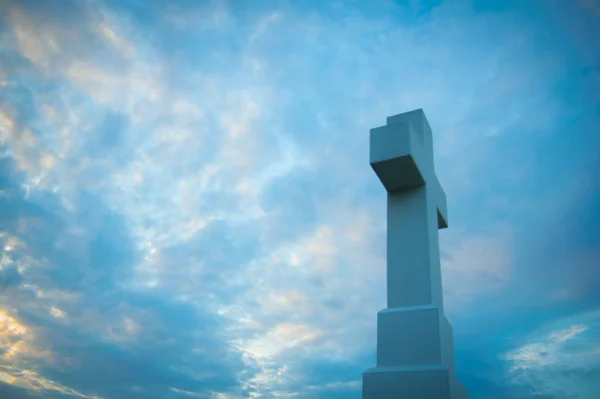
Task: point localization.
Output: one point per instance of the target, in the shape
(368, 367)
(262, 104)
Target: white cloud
(476, 267)
(339, 386)
(20, 345)
(562, 359)
(33, 381)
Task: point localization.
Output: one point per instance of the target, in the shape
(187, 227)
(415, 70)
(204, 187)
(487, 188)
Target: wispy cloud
(476, 268)
(559, 361)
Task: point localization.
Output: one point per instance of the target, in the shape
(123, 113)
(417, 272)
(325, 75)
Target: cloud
(70, 314)
(477, 267)
(562, 362)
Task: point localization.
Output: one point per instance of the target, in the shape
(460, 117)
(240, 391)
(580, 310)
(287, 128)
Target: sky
(187, 208)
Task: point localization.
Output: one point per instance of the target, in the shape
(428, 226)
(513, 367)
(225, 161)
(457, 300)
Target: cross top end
(418, 121)
(401, 154)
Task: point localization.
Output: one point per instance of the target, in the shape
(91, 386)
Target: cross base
(416, 382)
(415, 356)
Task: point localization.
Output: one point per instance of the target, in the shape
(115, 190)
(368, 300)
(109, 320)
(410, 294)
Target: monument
(415, 343)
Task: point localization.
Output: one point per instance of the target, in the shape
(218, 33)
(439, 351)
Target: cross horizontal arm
(401, 154)
(397, 157)
(440, 201)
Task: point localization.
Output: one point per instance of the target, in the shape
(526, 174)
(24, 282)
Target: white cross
(401, 153)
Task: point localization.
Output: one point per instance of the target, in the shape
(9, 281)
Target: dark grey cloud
(293, 199)
(14, 392)
(150, 365)
(224, 251)
(10, 276)
(160, 357)
(109, 136)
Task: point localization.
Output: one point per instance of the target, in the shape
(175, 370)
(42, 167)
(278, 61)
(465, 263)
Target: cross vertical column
(412, 270)
(415, 349)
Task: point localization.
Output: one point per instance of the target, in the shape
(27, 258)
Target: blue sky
(187, 208)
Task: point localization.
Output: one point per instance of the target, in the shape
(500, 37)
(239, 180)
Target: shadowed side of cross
(401, 154)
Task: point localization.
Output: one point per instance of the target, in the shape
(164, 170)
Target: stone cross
(415, 344)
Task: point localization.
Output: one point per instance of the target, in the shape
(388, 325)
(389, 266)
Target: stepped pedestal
(415, 343)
